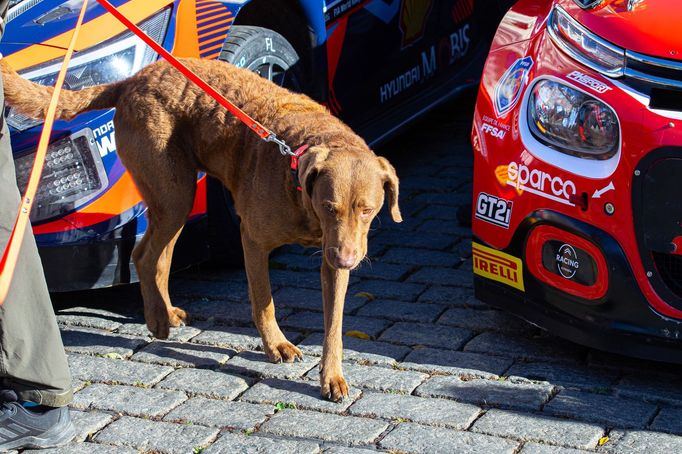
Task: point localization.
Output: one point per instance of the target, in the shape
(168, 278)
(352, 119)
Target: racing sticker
(494, 210)
(588, 81)
(569, 262)
(498, 266)
(508, 88)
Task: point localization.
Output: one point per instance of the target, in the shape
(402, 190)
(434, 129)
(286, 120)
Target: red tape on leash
(255, 126)
(11, 254)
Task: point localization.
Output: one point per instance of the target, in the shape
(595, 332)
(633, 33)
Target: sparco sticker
(589, 82)
(494, 210)
(540, 183)
(508, 88)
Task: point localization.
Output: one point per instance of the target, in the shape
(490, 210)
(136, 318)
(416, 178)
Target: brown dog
(167, 129)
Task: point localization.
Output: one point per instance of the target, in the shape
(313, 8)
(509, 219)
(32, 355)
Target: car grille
(659, 78)
(657, 210)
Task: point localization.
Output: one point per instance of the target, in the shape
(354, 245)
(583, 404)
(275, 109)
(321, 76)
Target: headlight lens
(113, 60)
(572, 122)
(584, 46)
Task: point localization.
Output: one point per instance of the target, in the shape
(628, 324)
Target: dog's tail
(32, 99)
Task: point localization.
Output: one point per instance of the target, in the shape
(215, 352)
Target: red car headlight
(571, 121)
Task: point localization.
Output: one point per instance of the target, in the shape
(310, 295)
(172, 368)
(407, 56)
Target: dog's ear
(391, 187)
(309, 166)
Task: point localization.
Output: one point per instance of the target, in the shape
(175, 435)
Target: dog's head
(346, 190)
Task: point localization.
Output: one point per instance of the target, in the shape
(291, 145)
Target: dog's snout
(343, 257)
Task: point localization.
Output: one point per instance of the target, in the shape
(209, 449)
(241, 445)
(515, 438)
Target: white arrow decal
(598, 193)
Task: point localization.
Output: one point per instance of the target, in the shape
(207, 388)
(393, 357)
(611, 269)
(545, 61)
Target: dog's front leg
(276, 346)
(334, 285)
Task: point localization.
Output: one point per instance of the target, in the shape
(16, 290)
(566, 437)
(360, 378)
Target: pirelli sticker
(498, 266)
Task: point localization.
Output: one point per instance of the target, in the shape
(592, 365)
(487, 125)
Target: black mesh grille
(669, 267)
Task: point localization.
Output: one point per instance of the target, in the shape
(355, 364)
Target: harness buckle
(283, 147)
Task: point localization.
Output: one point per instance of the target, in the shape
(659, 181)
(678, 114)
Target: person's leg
(35, 383)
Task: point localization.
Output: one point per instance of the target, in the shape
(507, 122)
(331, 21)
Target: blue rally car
(377, 64)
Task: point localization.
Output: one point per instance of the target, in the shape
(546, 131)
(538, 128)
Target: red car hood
(653, 26)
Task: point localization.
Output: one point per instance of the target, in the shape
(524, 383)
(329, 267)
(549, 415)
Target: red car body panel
(516, 171)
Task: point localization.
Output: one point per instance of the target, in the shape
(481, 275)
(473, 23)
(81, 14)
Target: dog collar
(294, 164)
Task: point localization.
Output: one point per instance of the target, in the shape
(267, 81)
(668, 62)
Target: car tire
(270, 55)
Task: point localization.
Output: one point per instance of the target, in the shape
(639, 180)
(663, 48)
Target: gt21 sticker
(494, 210)
(508, 88)
(589, 82)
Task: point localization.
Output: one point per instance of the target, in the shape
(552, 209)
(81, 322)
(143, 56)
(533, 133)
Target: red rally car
(577, 207)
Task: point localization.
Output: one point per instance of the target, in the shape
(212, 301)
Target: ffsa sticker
(508, 88)
(494, 210)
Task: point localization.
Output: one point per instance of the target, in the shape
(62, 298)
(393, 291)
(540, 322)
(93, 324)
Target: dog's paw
(178, 317)
(333, 387)
(284, 352)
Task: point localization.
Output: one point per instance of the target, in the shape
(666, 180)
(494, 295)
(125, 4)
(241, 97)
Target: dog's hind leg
(276, 346)
(168, 188)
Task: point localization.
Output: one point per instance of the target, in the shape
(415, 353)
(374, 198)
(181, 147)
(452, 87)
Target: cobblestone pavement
(440, 372)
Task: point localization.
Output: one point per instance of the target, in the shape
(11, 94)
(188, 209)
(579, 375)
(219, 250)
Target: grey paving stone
(439, 198)
(538, 448)
(178, 334)
(433, 412)
(302, 298)
(537, 348)
(216, 290)
(349, 430)
(401, 311)
(414, 438)
(297, 262)
(379, 378)
(219, 413)
(668, 420)
(84, 448)
(344, 450)
(531, 427)
(434, 360)
(427, 335)
(107, 370)
(442, 276)
(314, 321)
(91, 318)
(220, 311)
(526, 396)
(388, 290)
(663, 389)
(435, 226)
(435, 241)
(565, 375)
(301, 394)
(180, 354)
(156, 436)
(208, 383)
(236, 337)
(376, 269)
(420, 257)
(642, 442)
(256, 364)
(207, 272)
(129, 400)
(485, 320)
(608, 410)
(87, 423)
(304, 279)
(445, 213)
(451, 296)
(358, 350)
(230, 443)
(96, 342)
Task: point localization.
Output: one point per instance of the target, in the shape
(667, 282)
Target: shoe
(24, 428)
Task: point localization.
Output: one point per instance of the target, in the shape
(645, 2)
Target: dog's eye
(367, 211)
(329, 207)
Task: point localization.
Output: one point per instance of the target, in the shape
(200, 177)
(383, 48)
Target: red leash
(255, 126)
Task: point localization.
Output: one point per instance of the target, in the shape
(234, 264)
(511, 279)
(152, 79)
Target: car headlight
(583, 45)
(572, 122)
(110, 61)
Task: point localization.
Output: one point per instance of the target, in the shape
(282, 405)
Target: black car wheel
(268, 54)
